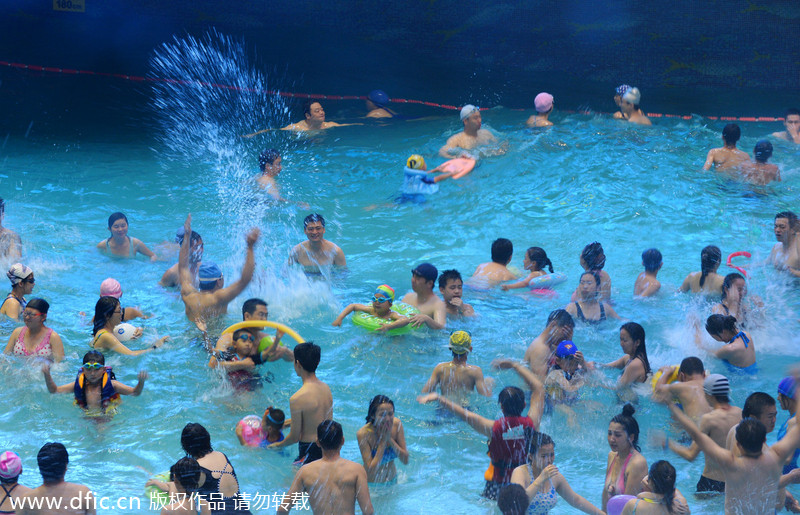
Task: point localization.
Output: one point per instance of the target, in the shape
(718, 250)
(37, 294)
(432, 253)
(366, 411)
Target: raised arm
(786, 445)
(536, 405)
(51, 385)
(480, 424)
(229, 293)
(184, 274)
(124, 389)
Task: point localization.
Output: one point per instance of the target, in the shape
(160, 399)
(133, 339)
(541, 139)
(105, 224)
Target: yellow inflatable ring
(672, 377)
(265, 323)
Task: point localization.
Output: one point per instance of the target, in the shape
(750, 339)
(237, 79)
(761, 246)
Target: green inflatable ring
(372, 323)
(156, 494)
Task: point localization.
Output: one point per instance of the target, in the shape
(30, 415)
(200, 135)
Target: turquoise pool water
(589, 178)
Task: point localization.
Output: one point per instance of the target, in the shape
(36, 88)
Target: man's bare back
(333, 486)
(67, 493)
(760, 173)
(314, 403)
(725, 157)
(456, 378)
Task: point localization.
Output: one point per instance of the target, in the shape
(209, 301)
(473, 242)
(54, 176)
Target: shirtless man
(256, 309)
(333, 484)
(309, 405)
(71, 498)
(715, 424)
(727, 156)
(432, 310)
(171, 277)
(456, 377)
(10, 242)
(688, 390)
(496, 271)
(451, 286)
(472, 136)
(540, 355)
(792, 124)
(376, 103)
(213, 297)
(761, 172)
(315, 119)
(629, 107)
(785, 254)
(751, 478)
(758, 406)
(317, 252)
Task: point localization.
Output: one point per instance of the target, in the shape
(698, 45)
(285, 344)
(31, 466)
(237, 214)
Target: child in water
(272, 424)
(95, 387)
(241, 363)
(534, 261)
(381, 307)
(647, 284)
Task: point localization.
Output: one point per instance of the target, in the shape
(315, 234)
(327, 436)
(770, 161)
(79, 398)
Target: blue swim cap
(378, 97)
(209, 272)
(566, 349)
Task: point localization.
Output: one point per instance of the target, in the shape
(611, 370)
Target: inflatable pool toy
(265, 323)
(544, 293)
(673, 376)
(373, 323)
(457, 168)
(741, 253)
(617, 503)
(265, 343)
(547, 280)
(124, 332)
(155, 494)
(251, 430)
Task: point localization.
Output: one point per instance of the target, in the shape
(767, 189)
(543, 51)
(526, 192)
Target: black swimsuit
(211, 487)
(7, 496)
(582, 318)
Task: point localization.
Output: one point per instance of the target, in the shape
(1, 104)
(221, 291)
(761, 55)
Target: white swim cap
(467, 111)
(633, 96)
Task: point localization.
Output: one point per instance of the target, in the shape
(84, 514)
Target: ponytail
(710, 259)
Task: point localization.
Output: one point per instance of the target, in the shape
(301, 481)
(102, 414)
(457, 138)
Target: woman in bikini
(739, 351)
(22, 281)
(34, 339)
(119, 243)
(659, 495)
(634, 364)
(107, 316)
(381, 440)
(542, 481)
(588, 308)
(626, 466)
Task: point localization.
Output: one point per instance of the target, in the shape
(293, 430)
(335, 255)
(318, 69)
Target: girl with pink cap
(111, 288)
(10, 469)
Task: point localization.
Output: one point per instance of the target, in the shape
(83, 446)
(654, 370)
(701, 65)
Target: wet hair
(186, 471)
(662, 480)
(307, 105)
(373, 407)
(762, 151)
(250, 305)
(194, 238)
(195, 440)
(513, 500)
(53, 459)
(651, 259)
(727, 283)
(716, 323)
(593, 274)
(308, 355)
(512, 401)
(789, 112)
(636, 333)
(561, 317)
(755, 404)
(629, 424)
(691, 366)
(116, 216)
(710, 259)
(536, 440)
(731, 133)
(277, 415)
(502, 249)
(39, 305)
(593, 256)
(790, 216)
(267, 157)
(103, 310)
(449, 275)
(330, 435)
(94, 356)
(312, 219)
(540, 256)
(751, 435)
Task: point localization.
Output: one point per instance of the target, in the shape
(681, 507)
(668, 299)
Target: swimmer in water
(34, 339)
(451, 286)
(618, 92)
(119, 243)
(471, 137)
(377, 100)
(241, 363)
(95, 387)
(727, 156)
(629, 107)
(111, 288)
(381, 307)
(314, 119)
(564, 381)
(688, 389)
(316, 252)
(381, 440)
(455, 377)
(10, 242)
(107, 316)
(739, 350)
(626, 467)
(255, 310)
(272, 424)
(785, 254)
(707, 280)
(593, 259)
(535, 261)
(589, 308)
(647, 284)
(540, 355)
(544, 108)
(760, 172)
(22, 282)
(496, 271)
(171, 277)
(634, 364)
(792, 123)
(432, 310)
(735, 301)
(271, 164)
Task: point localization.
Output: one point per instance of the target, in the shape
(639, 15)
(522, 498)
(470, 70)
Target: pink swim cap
(10, 465)
(110, 288)
(543, 102)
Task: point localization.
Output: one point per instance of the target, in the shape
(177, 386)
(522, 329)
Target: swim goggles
(246, 337)
(93, 366)
(380, 300)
